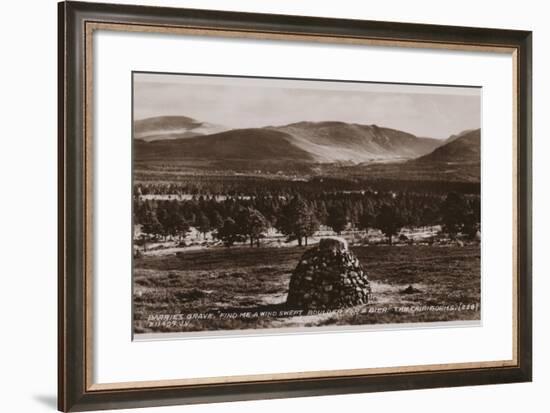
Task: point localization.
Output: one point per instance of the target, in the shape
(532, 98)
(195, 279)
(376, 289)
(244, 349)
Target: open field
(231, 288)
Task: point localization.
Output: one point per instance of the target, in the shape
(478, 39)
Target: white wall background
(28, 225)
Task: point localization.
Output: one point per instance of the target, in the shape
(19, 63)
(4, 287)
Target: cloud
(430, 111)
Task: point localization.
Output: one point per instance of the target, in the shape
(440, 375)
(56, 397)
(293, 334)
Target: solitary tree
(337, 219)
(203, 224)
(453, 213)
(428, 215)
(366, 220)
(321, 211)
(151, 227)
(171, 219)
(180, 225)
(298, 221)
(472, 218)
(389, 221)
(163, 216)
(216, 220)
(230, 233)
(254, 224)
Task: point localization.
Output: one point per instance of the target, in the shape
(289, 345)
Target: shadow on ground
(47, 400)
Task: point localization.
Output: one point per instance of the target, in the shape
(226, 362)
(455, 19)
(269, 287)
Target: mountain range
(365, 148)
(320, 142)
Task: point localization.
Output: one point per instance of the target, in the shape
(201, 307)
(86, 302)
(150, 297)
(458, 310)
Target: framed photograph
(260, 206)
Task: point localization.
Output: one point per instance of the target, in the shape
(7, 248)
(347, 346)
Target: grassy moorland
(246, 282)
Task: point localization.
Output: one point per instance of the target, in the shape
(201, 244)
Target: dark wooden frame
(74, 393)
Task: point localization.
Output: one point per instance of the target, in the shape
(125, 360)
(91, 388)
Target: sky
(237, 102)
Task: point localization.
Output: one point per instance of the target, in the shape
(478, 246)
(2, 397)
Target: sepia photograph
(254, 206)
(274, 205)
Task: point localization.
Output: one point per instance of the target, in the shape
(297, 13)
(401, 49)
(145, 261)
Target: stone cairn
(328, 276)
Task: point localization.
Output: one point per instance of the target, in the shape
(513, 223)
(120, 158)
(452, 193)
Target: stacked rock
(328, 276)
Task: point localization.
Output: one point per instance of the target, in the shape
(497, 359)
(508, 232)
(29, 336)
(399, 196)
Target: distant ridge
(172, 127)
(458, 160)
(464, 148)
(309, 142)
(340, 141)
(458, 135)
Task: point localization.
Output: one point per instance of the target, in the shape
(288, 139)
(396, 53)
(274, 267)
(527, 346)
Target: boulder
(328, 276)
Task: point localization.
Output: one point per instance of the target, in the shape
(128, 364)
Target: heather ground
(245, 288)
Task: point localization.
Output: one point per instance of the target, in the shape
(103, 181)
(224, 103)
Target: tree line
(279, 186)
(235, 219)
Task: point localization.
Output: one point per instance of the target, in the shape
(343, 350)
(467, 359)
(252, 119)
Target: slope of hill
(239, 144)
(340, 141)
(458, 135)
(456, 161)
(465, 148)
